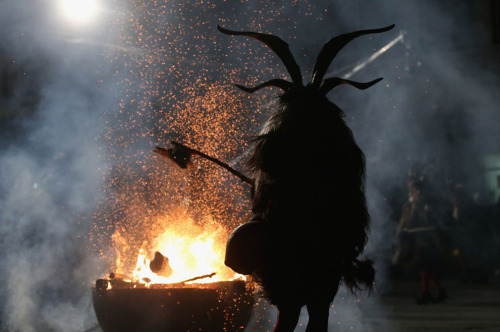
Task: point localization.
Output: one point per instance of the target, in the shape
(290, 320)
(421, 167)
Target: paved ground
(471, 307)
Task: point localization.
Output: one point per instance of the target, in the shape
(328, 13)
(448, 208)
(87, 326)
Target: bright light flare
(79, 11)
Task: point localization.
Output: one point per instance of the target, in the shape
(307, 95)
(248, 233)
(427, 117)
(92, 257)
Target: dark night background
(79, 102)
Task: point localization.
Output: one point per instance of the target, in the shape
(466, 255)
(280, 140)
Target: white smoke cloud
(51, 172)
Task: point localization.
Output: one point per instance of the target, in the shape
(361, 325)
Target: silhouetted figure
(418, 232)
(308, 197)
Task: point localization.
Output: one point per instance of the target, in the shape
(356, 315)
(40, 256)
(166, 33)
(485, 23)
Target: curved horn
(282, 84)
(278, 46)
(331, 83)
(332, 48)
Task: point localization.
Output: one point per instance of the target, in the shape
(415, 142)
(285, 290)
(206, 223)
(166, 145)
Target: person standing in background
(418, 233)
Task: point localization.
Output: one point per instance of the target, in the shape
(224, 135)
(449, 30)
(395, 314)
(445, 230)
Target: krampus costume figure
(311, 218)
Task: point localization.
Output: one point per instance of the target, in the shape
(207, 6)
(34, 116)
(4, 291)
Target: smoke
(65, 126)
(54, 94)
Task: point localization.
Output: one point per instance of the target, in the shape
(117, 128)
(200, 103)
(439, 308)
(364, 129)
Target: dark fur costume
(308, 197)
(309, 188)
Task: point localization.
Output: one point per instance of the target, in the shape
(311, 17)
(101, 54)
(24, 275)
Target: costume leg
(425, 296)
(442, 295)
(425, 278)
(288, 317)
(318, 316)
(434, 278)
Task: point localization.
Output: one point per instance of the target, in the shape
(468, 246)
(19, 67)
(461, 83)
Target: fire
(192, 250)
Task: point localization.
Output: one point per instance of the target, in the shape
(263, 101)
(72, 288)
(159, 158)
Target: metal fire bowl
(218, 306)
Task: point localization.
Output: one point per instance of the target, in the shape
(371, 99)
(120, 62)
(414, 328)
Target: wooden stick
(200, 277)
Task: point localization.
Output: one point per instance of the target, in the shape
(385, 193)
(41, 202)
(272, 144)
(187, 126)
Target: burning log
(113, 280)
(198, 278)
(101, 284)
(119, 276)
(160, 265)
(118, 280)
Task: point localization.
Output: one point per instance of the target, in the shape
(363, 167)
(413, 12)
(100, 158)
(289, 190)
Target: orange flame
(192, 250)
